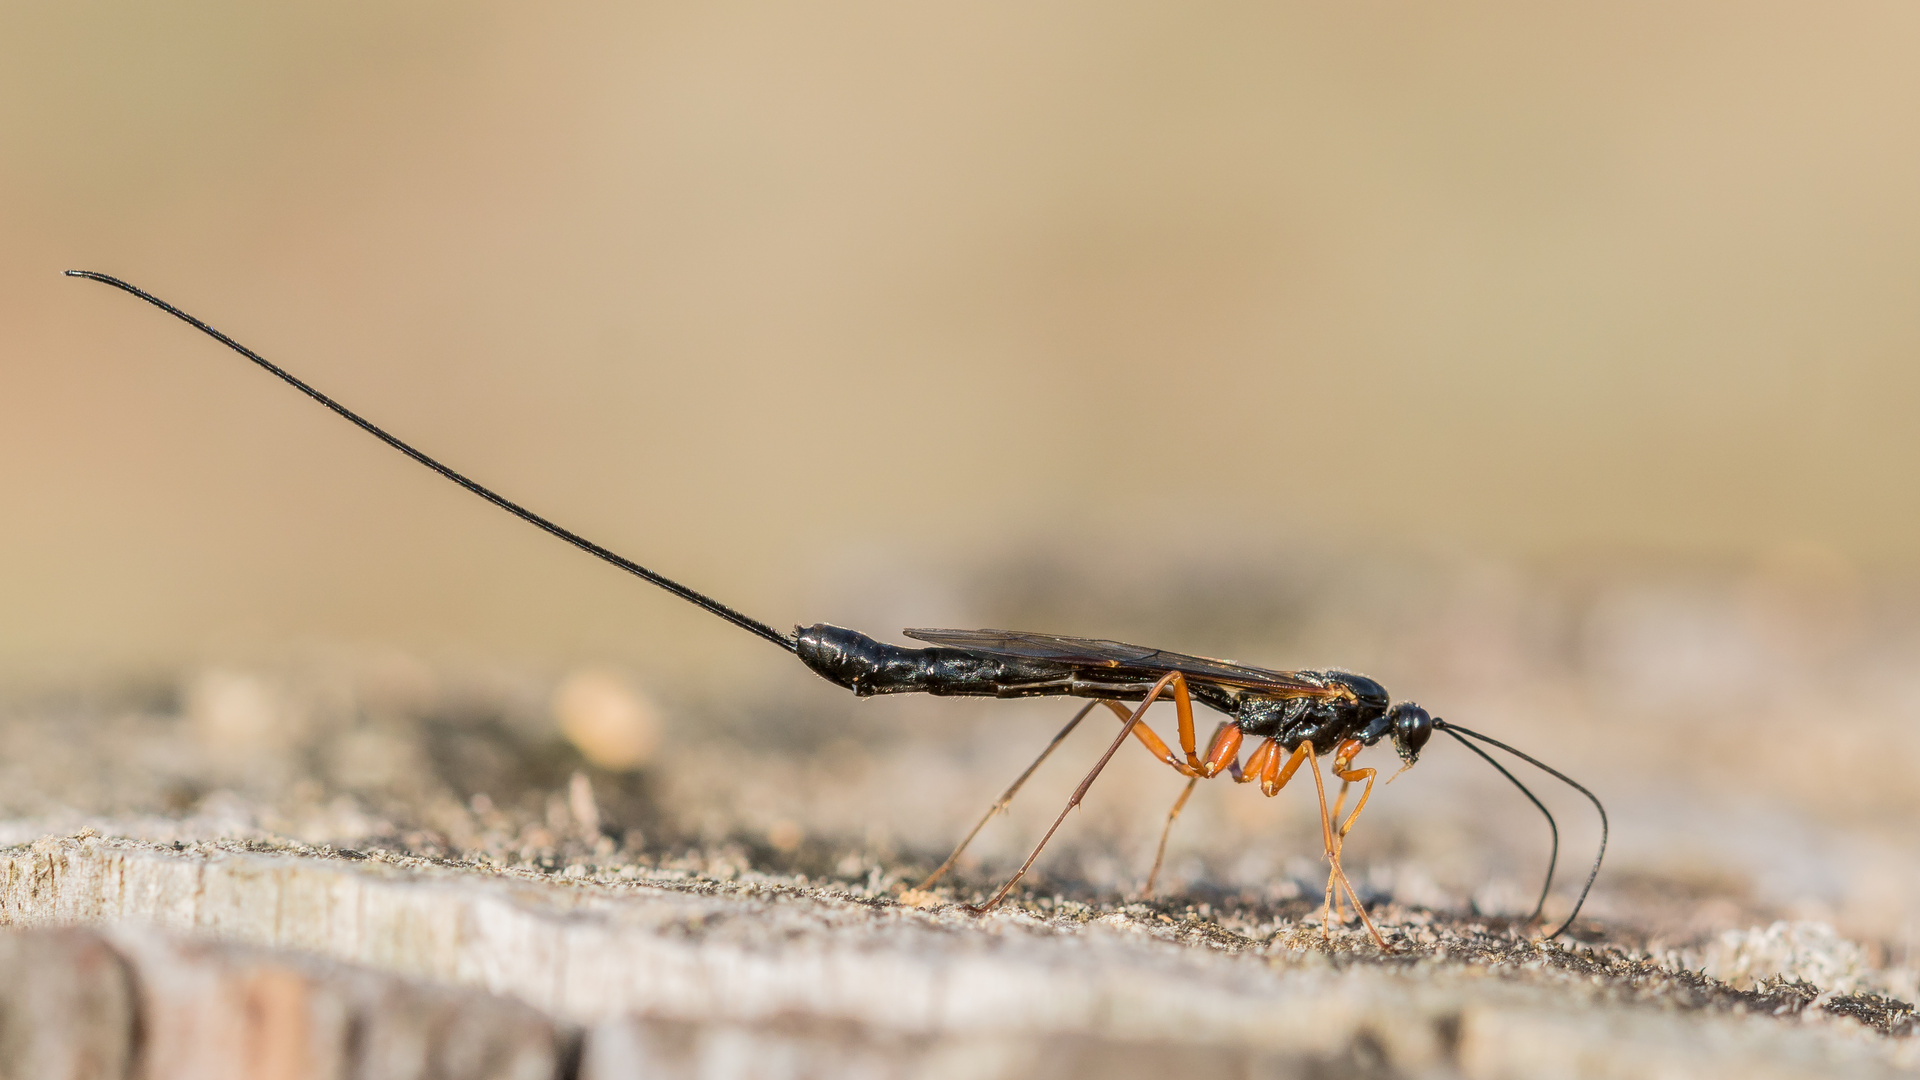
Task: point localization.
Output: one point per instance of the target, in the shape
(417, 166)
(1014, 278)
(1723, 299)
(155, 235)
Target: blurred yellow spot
(607, 719)
(234, 715)
(785, 835)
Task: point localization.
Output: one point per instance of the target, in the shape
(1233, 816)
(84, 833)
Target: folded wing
(1125, 658)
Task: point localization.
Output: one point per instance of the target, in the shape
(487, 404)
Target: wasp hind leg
(1079, 793)
(1223, 753)
(1006, 797)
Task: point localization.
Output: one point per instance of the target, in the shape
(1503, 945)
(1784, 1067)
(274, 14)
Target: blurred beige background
(768, 297)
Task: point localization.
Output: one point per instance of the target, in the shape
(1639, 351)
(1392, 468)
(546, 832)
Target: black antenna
(700, 600)
(1563, 778)
(1553, 859)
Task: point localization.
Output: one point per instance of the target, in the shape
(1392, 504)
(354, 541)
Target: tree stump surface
(236, 958)
(376, 868)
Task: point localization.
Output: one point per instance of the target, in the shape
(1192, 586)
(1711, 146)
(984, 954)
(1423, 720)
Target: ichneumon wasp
(1295, 716)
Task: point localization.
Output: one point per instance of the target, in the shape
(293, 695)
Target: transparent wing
(1101, 653)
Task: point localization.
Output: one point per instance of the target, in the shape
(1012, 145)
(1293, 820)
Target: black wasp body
(1325, 708)
(1297, 716)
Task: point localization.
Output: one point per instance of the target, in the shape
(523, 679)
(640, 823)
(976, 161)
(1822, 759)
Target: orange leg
(1217, 754)
(1338, 899)
(1274, 777)
(1133, 721)
(1342, 760)
(1149, 739)
(1160, 853)
(1224, 753)
(1006, 797)
(1333, 854)
(1183, 707)
(1342, 755)
(1259, 761)
(1224, 747)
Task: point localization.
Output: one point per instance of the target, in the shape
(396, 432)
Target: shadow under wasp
(1296, 717)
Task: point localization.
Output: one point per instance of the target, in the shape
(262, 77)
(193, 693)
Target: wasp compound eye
(1412, 727)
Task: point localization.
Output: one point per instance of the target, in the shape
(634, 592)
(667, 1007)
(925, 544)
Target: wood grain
(223, 959)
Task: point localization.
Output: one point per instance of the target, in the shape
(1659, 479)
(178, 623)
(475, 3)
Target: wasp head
(1411, 727)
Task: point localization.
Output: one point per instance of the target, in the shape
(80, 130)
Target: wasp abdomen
(851, 659)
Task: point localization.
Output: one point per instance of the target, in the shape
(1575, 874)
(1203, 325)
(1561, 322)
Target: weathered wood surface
(216, 960)
(290, 870)
(132, 1001)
